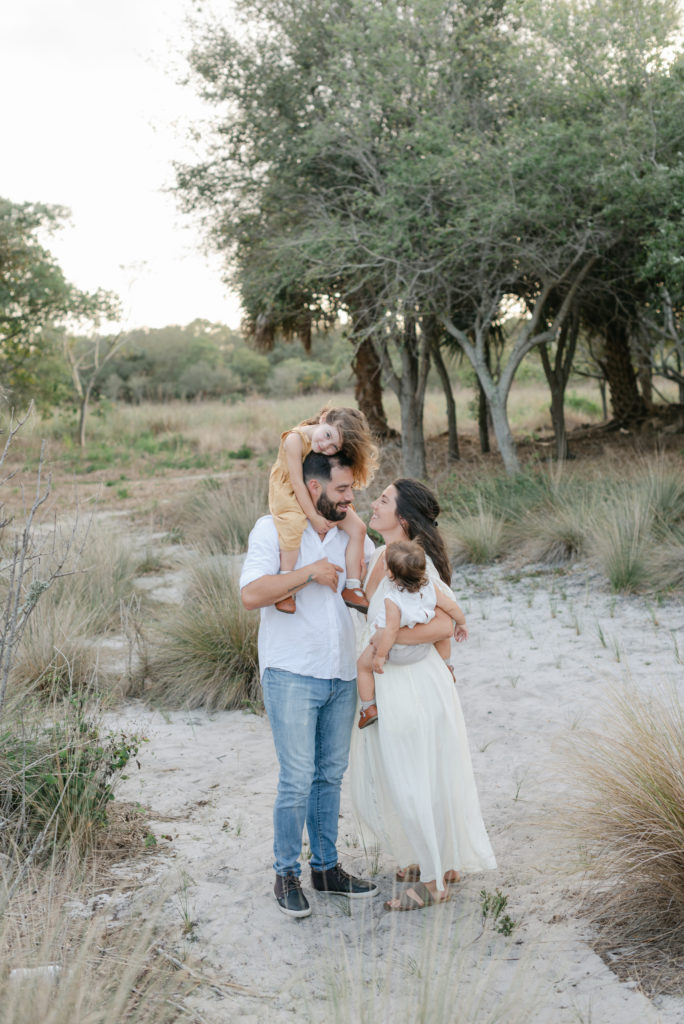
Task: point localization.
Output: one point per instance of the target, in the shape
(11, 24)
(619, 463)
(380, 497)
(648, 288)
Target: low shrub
(56, 780)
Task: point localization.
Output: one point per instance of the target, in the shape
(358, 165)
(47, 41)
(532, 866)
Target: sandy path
(533, 671)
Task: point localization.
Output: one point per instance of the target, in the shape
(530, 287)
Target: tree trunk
(483, 420)
(557, 378)
(504, 437)
(84, 413)
(453, 453)
(415, 358)
(368, 390)
(628, 405)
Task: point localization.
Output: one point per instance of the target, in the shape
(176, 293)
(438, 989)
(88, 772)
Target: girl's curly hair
(357, 441)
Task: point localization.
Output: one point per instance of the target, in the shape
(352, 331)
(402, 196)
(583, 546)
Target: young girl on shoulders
(410, 598)
(290, 503)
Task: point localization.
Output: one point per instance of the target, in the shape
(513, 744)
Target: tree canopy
(423, 164)
(36, 299)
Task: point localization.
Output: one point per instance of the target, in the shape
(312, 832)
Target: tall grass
(449, 971)
(60, 969)
(204, 652)
(217, 517)
(629, 815)
(629, 523)
(478, 538)
(622, 541)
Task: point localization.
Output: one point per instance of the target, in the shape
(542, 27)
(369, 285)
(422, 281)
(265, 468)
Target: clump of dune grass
(664, 486)
(218, 517)
(556, 532)
(204, 651)
(478, 539)
(55, 652)
(622, 541)
(629, 816)
(102, 577)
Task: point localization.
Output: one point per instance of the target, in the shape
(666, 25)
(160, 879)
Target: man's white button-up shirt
(319, 639)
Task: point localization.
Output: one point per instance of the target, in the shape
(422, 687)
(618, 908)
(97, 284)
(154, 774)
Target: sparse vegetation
(629, 817)
(204, 652)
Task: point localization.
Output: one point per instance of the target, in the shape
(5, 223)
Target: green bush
(58, 778)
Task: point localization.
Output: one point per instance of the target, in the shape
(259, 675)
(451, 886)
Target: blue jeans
(311, 721)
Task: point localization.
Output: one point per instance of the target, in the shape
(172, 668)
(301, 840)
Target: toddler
(410, 598)
(290, 503)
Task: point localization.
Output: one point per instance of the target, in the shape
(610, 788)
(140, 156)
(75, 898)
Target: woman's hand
(377, 663)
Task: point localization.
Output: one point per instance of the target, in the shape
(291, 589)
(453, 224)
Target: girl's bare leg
(355, 528)
(288, 560)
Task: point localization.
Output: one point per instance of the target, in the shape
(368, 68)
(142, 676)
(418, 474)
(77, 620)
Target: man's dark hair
(319, 467)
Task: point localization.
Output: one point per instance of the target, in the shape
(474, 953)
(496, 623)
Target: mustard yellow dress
(290, 521)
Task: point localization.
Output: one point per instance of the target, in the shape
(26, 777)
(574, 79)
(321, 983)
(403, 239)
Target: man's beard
(329, 510)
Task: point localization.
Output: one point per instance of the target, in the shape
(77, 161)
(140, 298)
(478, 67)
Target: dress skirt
(412, 783)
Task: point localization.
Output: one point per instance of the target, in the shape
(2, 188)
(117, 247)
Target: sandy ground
(544, 655)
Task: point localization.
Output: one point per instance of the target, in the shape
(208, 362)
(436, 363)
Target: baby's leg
(444, 650)
(365, 680)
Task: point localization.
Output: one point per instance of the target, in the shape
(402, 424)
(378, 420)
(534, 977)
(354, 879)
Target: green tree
(35, 297)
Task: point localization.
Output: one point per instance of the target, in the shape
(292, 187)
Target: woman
(411, 777)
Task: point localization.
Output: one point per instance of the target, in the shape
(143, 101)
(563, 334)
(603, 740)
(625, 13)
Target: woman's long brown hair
(417, 509)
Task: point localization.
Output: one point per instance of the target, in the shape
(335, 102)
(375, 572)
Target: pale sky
(92, 119)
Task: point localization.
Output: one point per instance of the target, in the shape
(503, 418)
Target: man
(308, 675)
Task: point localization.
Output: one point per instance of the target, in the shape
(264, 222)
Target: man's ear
(314, 488)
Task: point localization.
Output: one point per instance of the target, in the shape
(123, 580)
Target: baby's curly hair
(406, 562)
(357, 441)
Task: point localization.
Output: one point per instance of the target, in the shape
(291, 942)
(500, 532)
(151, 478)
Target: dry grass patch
(629, 816)
(478, 539)
(204, 652)
(217, 517)
(58, 968)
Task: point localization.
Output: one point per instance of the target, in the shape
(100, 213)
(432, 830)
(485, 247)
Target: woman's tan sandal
(409, 874)
(418, 897)
(412, 874)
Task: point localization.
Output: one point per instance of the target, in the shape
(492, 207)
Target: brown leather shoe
(354, 597)
(368, 716)
(287, 605)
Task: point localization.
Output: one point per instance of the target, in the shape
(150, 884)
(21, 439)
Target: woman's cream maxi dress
(412, 780)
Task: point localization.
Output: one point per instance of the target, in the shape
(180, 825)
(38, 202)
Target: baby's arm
(292, 446)
(387, 636)
(448, 605)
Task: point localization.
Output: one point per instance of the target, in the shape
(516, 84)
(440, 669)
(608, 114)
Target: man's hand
(325, 572)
